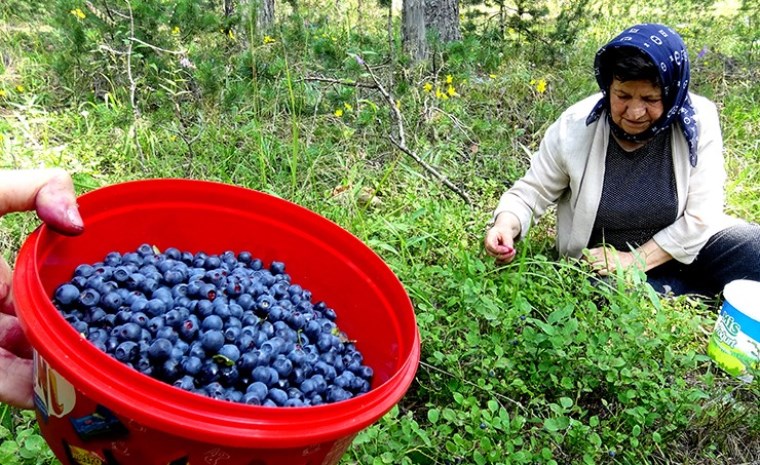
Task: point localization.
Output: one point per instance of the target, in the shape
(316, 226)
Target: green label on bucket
(734, 343)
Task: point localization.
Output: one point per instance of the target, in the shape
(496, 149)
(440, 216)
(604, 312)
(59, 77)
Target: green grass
(526, 363)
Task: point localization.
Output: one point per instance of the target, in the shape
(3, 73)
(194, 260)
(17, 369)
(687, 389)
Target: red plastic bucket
(94, 410)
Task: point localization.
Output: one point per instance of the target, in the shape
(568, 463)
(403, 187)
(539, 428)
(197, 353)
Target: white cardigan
(568, 170)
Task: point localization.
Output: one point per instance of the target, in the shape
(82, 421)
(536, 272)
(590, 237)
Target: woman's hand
(49, 192)
(500, 238)
(607, 260)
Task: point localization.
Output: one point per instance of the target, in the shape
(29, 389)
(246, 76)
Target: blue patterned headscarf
(667, 50)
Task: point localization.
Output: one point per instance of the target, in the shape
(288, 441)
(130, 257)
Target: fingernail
(74, 218)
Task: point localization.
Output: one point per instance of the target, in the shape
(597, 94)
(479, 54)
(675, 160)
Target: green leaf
(433, 415)
(636, 431)
(561, 314)
(566, 402)
(556, 424)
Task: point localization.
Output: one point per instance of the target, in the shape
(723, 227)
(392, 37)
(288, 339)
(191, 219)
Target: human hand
(499, 241)
(49, 192)
(606, 260)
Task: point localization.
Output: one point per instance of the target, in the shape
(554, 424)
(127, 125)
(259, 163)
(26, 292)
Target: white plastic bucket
(735, 342)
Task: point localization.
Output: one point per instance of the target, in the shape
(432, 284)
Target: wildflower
(172, 138)
(427, 87)
(231, 34)
(703, 52)
(20, 89)
(2, 93)
(2, 137)
(541, 86)
(175, 31)
(441, 95)
(78, 13)
(449, 79)
(451, 91)
(348, 106)
(268, 40)
(339, 112)
(492, 76)
(398, 104)
(186, 63)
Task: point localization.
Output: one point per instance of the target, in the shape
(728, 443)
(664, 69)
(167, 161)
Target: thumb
(56, 205)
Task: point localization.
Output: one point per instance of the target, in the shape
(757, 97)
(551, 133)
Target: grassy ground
(527, 363)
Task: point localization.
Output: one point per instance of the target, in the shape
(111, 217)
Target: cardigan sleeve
(541, 186)
(704, 191)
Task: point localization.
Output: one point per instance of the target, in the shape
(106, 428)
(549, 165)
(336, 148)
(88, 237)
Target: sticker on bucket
(79, 456)
(735, 341)
(53, 395)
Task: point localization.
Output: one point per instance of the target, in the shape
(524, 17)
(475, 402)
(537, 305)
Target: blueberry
(278, 396)
(192, 365)
(160, 349)
(67, 294)
(186, 383)
(277, 268)
(266, 375)
(84, 271)
(89, 298)
(212, 340)
(189, 328)
(283, 366)
(129, 331)
(126, 351)
(212, 322)
(209, 372)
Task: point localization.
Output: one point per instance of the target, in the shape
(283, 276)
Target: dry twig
(400, 140)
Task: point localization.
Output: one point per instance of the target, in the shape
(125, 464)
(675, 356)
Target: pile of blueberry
(224, 326)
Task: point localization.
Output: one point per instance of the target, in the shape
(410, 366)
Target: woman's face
(635, 105)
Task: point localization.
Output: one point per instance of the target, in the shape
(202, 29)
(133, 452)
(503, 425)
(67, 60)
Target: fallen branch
(400, 141)
(342, 82)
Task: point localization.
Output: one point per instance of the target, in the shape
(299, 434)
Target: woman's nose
(636, 111)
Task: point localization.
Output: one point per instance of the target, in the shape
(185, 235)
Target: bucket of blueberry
(196, 322)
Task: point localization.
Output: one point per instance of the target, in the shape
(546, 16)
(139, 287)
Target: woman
(637, 175)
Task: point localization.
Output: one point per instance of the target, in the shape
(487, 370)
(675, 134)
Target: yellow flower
(451, 91)
(348, 106)
(231, 34)
(2, 93)
(492, 76)
(532, 82)
(175, 30)
(541, 86)
(20, 89)
(339, 112)
(2, 137)
(427, 87)
(449, 79)
(78, 13)
(269, 40)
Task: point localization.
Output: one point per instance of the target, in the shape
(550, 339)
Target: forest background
(403, 123)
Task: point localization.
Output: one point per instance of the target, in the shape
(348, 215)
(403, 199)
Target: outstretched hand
(49, 192)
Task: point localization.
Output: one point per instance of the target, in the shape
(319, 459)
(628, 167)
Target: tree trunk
(260, 11)
(442, 19)
(265, 16)
(413, 30)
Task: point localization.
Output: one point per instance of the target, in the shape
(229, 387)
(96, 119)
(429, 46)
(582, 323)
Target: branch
(342, 82)
(400, 142)
(159, 49)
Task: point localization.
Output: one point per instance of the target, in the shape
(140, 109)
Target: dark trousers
(731, 254)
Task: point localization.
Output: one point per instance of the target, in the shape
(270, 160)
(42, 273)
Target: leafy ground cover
(528, 363)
